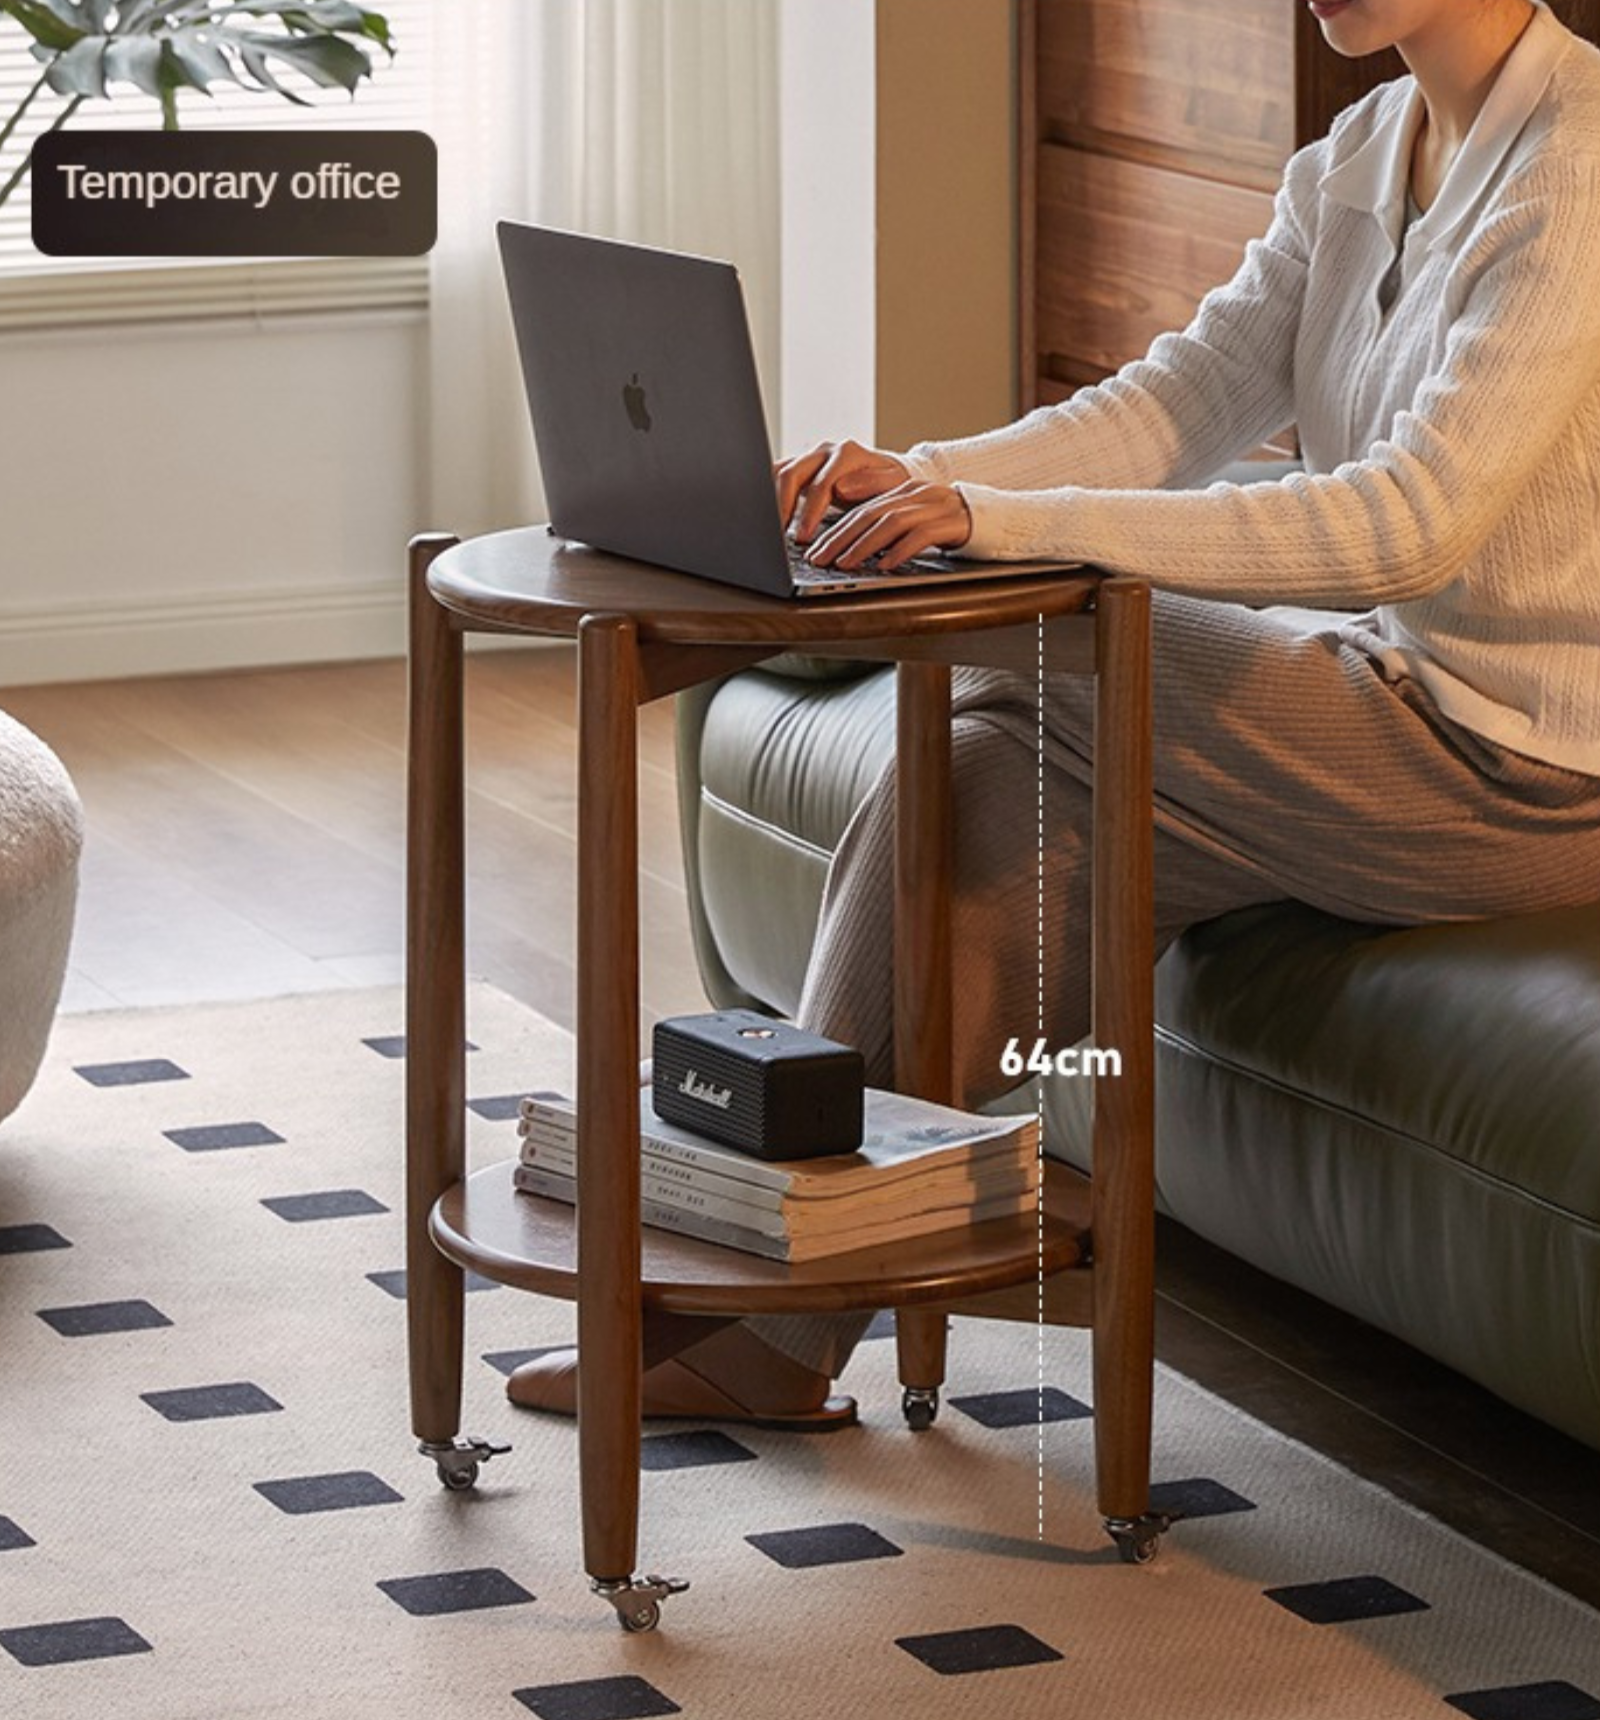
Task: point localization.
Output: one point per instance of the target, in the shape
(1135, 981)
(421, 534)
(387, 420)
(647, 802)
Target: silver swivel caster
(1138, 1539)
(919, 1405)
(457, 1461)
(638, 1599)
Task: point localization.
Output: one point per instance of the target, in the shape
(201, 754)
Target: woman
(1425, 308)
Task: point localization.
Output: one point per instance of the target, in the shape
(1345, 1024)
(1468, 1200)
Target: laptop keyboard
(804, 572)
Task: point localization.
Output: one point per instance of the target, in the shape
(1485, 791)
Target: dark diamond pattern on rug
(30, 1238)
(986, 1649)
(13, 1536)
(625, 1698)
(1197, 1497)
(135, 1535)
(455, 1591)
(72, 1639)
(692, 1450)
(220, 1137)
(1346, 1599)
(1554, 1700)
(508, 1361)
(301, 1495)
(324, 1203)
(395, 1282)
(211, 1403)
(393, 1045)
(1026, 1408)
(882, 1326)
(497, 1107)
(827, 1544)
(90, 1319)
(134, 1074)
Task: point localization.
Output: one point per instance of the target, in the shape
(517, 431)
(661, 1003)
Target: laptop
(647, 416)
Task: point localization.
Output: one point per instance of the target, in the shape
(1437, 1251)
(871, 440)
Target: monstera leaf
(162, 46)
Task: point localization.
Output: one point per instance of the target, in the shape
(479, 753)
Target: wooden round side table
(642, 633)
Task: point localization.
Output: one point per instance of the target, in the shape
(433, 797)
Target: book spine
(676, 1184)
(532, 1180)
(544, 1121)
(794, 1250)
(689, 1196)
(913, 1187)
(718, 1197)
(550, 1134)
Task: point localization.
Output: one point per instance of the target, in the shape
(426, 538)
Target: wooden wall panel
(1126, 252)
(1580, 15)
(1150, 135)
(1201, 85)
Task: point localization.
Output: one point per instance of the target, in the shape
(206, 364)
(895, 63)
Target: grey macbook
(647, 416)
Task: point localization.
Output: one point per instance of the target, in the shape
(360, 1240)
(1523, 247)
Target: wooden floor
(246, 833)
(246, 837)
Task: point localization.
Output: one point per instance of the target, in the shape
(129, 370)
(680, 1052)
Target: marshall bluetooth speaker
(763, 1086)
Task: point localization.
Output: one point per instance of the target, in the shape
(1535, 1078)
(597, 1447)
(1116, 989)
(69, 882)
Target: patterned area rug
(211, 1506)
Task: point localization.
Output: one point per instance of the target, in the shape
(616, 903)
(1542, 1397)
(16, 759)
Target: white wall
(181, 498)
(198, 497)
(827, 172)
(898, 218)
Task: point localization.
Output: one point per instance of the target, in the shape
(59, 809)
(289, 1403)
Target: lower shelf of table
(485, 1224)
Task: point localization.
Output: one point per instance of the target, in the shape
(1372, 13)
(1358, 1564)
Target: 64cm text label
(1019, 1059)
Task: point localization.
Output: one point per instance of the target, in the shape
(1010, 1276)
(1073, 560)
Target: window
(42, 292)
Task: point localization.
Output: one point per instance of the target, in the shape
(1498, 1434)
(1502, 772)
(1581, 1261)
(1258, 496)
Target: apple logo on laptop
(633, 399)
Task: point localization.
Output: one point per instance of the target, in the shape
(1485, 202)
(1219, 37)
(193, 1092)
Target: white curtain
(650, 120)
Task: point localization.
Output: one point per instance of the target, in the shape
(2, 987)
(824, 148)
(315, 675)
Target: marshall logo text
(695, 1088)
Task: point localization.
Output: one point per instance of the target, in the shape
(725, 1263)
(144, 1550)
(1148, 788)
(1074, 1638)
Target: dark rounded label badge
(235, 194)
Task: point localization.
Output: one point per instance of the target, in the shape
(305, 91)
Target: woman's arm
(1197, 400)
(1400, 523)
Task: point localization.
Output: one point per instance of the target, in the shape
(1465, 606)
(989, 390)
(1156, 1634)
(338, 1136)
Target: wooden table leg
(435, 1000)
(610, 1324)
(923, 1006)
(1123, 1187)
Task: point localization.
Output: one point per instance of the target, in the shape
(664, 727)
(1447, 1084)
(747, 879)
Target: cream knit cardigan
(1451, 447)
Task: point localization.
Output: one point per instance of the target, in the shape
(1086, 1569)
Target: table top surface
(529, 581)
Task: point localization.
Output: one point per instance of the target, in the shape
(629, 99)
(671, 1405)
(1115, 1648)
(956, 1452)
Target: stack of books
(921, 1168)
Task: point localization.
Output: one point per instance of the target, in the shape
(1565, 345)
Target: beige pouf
(41, 835)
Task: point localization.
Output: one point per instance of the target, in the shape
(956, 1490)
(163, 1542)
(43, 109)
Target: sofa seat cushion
(783, 764)
(1482, 1040)
(1404, 1122)
(797, 757)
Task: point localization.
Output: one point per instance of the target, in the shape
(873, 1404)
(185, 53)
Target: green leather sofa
(1404, 1122)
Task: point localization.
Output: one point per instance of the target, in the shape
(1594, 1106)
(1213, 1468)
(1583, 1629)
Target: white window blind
(43, 292)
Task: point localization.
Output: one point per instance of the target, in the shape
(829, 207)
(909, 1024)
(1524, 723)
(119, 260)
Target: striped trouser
(1286, 766)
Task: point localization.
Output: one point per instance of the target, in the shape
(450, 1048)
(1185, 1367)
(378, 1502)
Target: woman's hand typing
(888, 516)
(892, 528)
(833, 475)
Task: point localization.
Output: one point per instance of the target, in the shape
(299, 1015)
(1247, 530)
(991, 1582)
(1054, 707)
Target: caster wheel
(1138, 1539)
(920, 1407)
(642, 1618)
(457, 1461)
